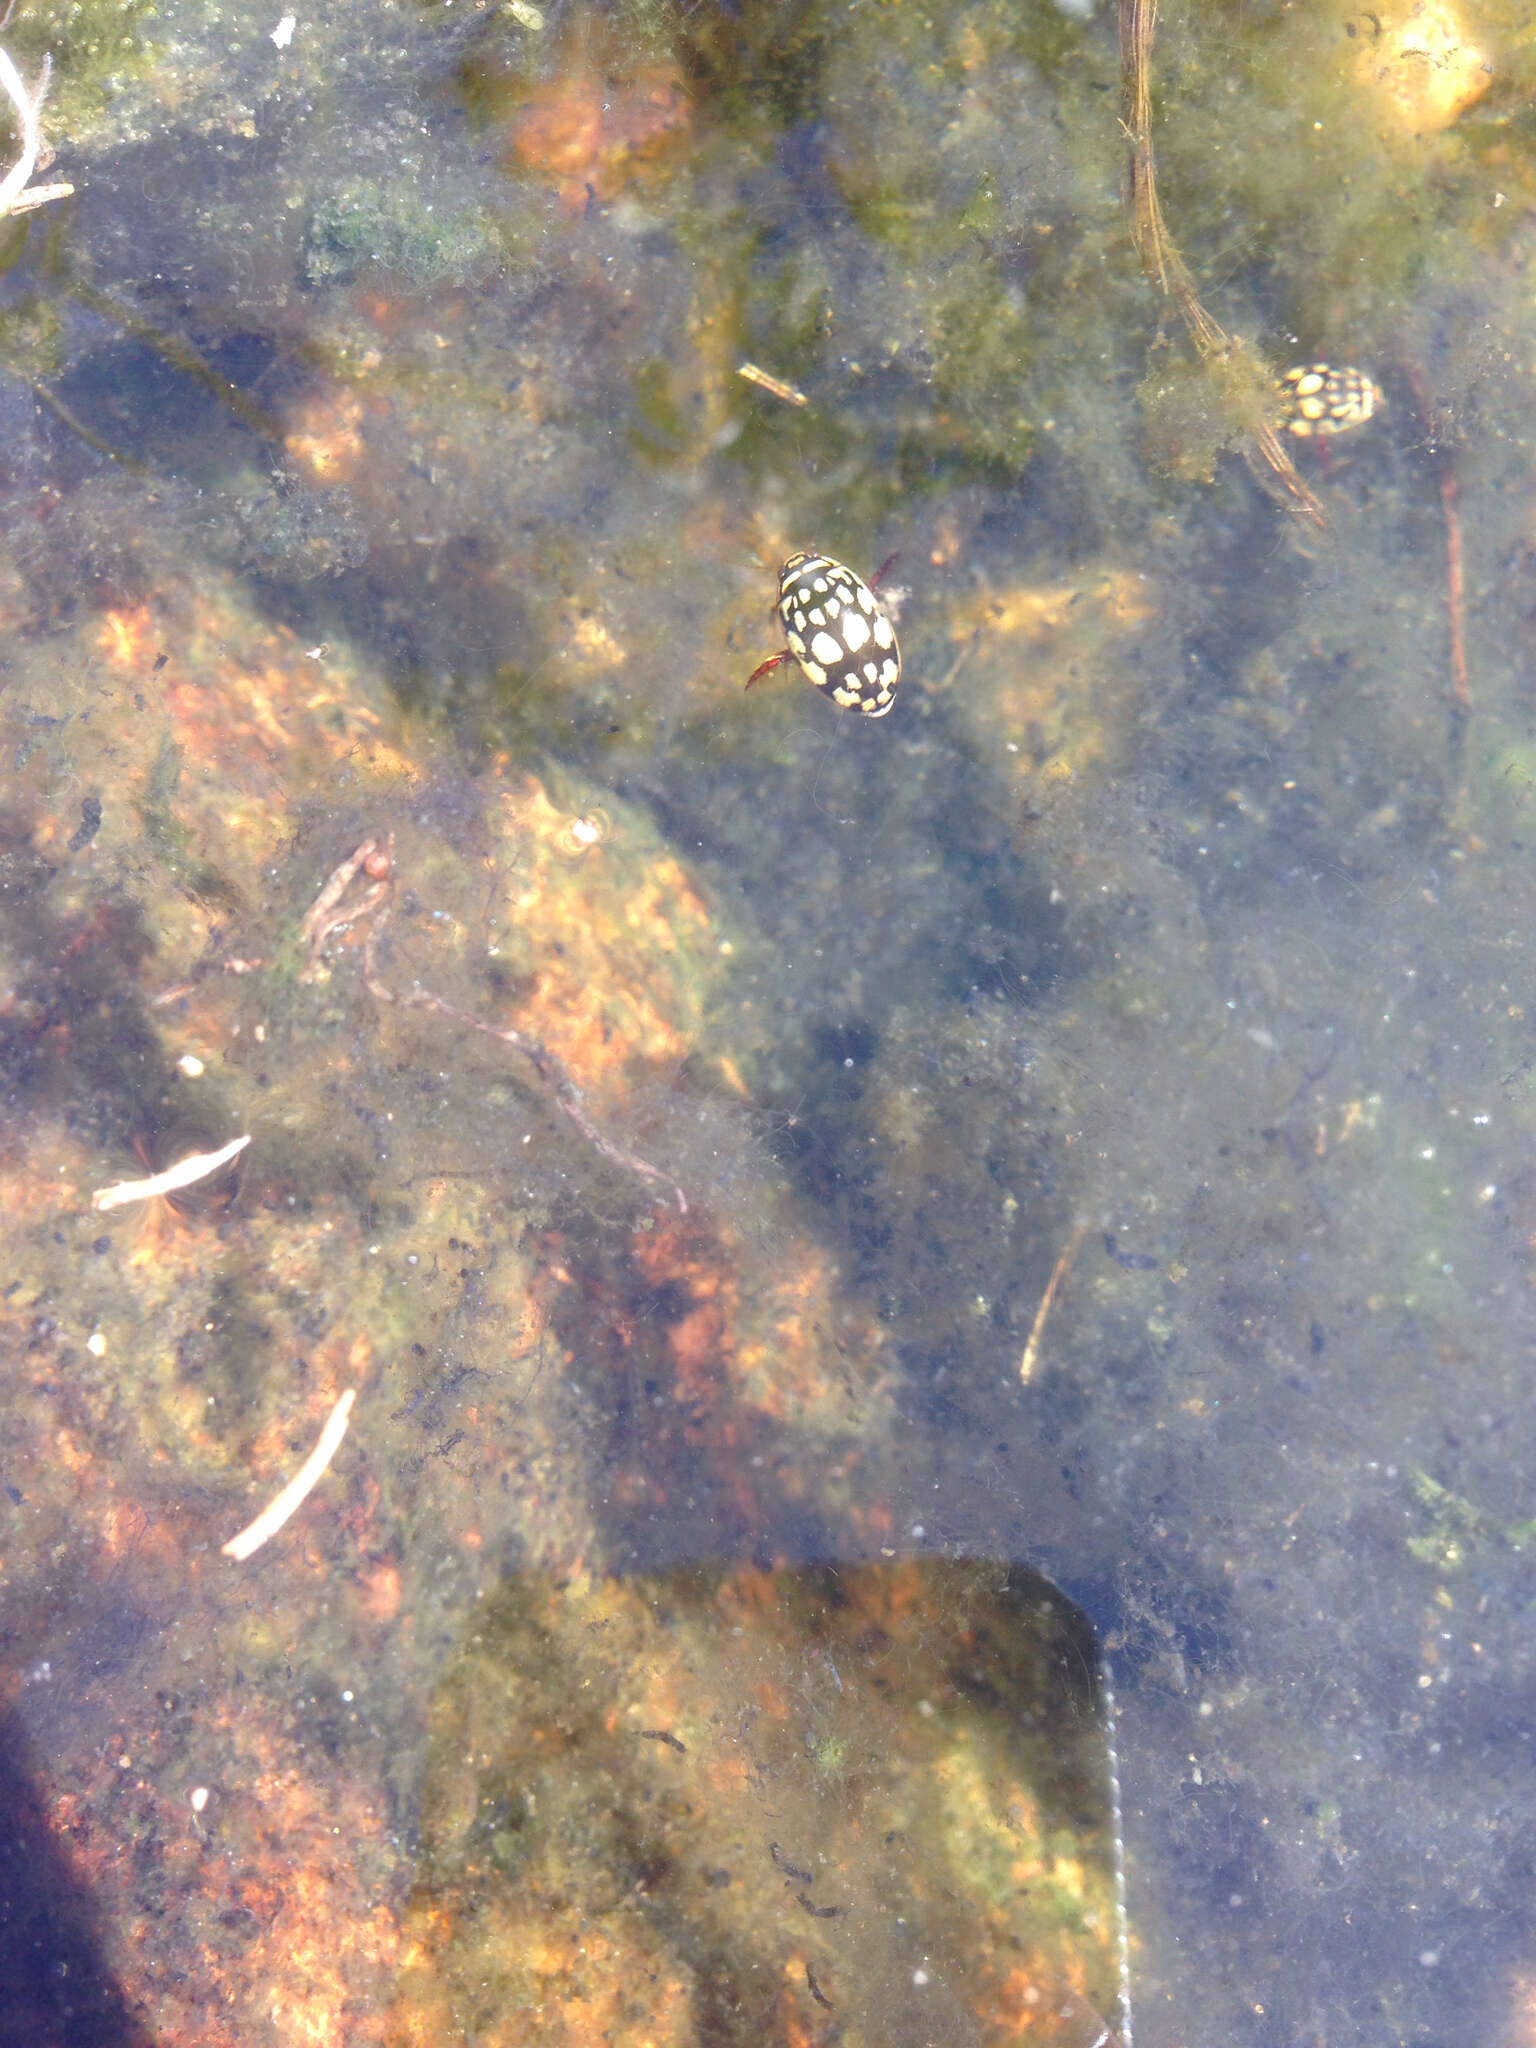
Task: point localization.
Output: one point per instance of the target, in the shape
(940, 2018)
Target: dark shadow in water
(55, 1991)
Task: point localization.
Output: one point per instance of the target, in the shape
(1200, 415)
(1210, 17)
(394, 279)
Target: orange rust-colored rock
(590, 136)
(324, 434)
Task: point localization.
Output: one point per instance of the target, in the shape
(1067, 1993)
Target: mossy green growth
(92, 46)
(1452, 1525)
(395, 230)
(1455, 1528)
(31, 333)
(167, 838)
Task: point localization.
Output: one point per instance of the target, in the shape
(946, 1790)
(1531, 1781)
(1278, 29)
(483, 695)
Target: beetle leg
(764, 666)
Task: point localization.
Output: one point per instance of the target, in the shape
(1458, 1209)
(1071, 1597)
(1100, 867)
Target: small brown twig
(776, 386)
(1444, 461)
(1455, 589)
(331, 912)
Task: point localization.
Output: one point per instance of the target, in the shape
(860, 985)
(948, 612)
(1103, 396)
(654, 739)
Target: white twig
(28, 107)
(299, 1487)
(195, 1167)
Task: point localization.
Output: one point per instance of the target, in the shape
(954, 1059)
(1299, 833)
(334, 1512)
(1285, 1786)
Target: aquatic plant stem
(1455, 589)
(1450, 512)
(1263, 450)
(1117, 1847)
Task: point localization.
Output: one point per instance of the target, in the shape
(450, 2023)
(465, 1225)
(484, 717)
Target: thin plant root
(1455, 590)
(332, 911)
(565, 1091)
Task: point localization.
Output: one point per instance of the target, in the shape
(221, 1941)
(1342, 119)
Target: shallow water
(1142, 1003)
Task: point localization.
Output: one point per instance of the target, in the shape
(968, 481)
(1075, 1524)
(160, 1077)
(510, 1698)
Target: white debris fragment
(282, 35)
(299, 1487)
(197, 1166)
(28, 107)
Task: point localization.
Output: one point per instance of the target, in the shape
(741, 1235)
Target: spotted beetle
(839, 633)
(1320, 399)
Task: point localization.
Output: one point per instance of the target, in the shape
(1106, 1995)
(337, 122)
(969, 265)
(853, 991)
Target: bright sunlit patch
(1418, 68)
(126, 637)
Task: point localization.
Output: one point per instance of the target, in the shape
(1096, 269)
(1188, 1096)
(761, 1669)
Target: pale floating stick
(299, 1487)
(1047, 1301)
(184, 1174)
(766, 381)
(26, 106)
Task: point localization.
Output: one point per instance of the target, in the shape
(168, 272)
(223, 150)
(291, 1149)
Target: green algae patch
(722, 1805)
(1195, 411)
(1454, 1533)
(1351, 151)
(361, 229)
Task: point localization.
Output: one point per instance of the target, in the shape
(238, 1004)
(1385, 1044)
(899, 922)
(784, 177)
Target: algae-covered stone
(719, 1806)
